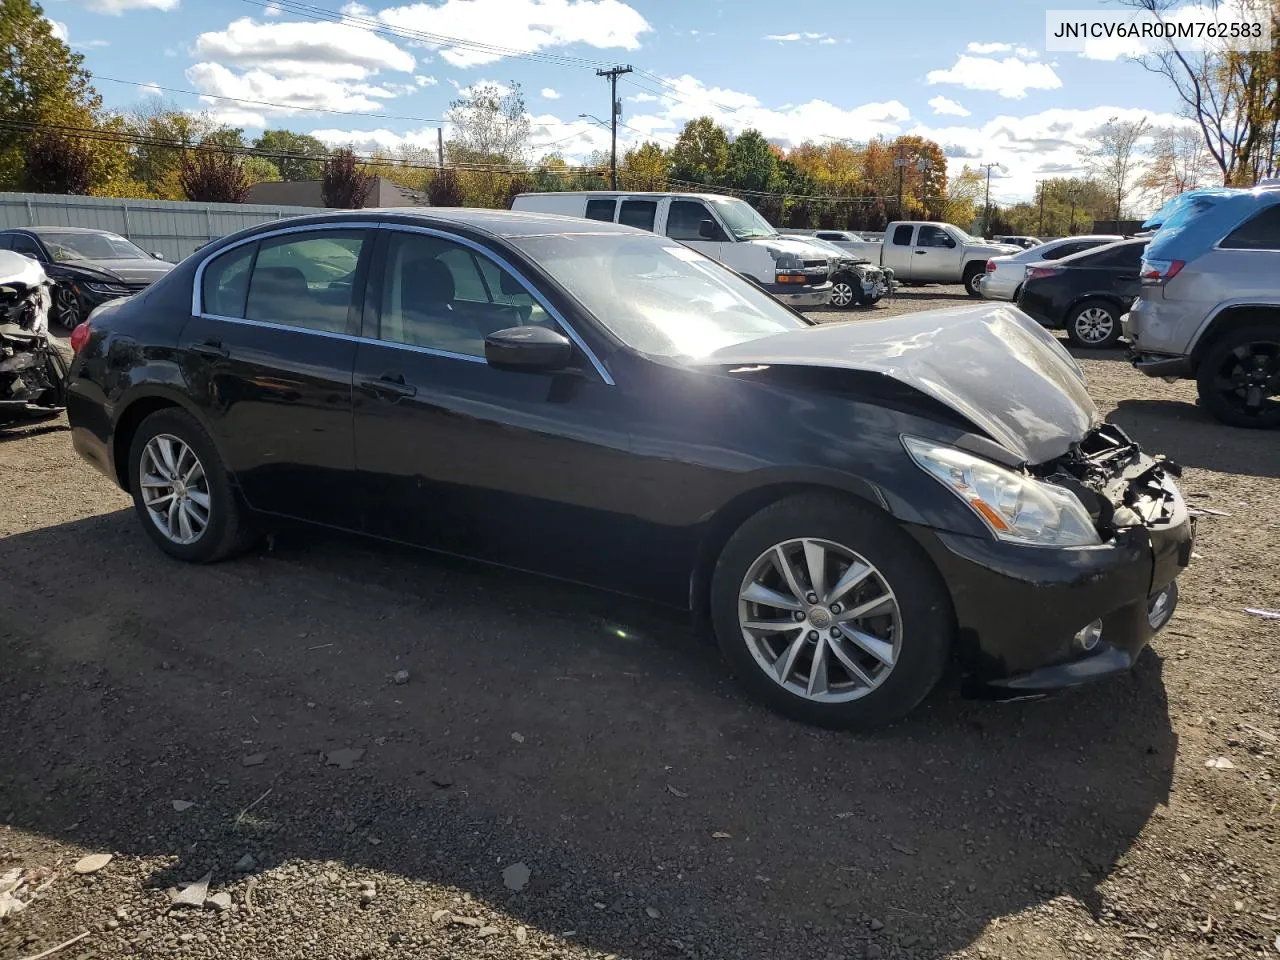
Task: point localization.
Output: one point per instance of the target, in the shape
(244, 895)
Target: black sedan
(88, 267)
(848, 505)
(1086, 293)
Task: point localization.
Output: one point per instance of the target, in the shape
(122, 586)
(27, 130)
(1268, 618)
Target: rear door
(898, 251)
(638, 213)
(1115, 269)
(268, 353)
(936, 257)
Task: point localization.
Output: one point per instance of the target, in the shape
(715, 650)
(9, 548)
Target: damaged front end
(32, 371)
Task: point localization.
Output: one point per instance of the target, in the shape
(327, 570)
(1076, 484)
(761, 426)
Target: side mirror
(532, 349)
(157, 254)
(707, 230)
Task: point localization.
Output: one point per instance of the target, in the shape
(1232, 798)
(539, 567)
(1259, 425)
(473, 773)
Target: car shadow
(1114, 355)
(592, 738)
(1192, 438)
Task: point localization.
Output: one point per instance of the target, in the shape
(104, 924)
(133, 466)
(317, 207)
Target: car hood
(131, 270)
(990, 363)
(796, 246)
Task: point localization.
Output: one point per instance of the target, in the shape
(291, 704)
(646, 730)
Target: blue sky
(974, 77)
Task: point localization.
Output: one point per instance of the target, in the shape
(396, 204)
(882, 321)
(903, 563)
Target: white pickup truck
(924, 252)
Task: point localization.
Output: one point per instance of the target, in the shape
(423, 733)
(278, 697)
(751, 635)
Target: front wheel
(1238, 379)
(1094, 324)
(830, 614)
(843, 294)
(182, 492)
(67, 311)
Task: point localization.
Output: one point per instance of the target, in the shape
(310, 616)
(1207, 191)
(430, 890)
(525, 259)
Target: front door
(936, 257)
(269, 354)
(685, 219)
(519, 468)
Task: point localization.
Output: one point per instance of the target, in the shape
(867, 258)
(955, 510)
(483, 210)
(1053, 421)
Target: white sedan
(1005, 274)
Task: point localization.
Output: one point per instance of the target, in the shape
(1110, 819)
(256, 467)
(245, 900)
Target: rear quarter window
(1260, 232)
(599, 208)
(225, 282)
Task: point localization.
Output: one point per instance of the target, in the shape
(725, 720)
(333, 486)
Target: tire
(913, 629)
(972, 274)
(1094, 325)
(226, 529)
(1238, 361)
(844, 295)
(67, 310)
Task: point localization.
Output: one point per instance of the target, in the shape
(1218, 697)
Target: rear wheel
(1238, 379)
(829, 613)
(1094, 324)
(182, 492)
(973, 278)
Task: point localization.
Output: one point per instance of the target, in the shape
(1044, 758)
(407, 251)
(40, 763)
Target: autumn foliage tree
(212, 175)
(53, 163)
(343, 183)
(445, 189)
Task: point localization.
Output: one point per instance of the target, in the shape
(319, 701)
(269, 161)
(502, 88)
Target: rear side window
(26, 246)
(638, 213)
(902, 235)
(226, 282)
(1128, 255)
(305, 280)
(1262, 232)
(832, 236)
(1067, 249)
(600, 208)
(684, 218)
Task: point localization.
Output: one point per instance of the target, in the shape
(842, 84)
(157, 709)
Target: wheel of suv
(829, 613)
(843, 294)
(973, 277)
(1238, 379)
(1094, 324)
(181, 490)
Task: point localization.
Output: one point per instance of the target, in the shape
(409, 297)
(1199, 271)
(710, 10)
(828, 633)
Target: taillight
(1040, 273)
(1156, 272)
(991, 266)
(79, 336)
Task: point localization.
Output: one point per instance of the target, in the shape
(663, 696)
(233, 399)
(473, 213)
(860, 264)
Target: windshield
(742, 220)
(657, 296)
(91, 246)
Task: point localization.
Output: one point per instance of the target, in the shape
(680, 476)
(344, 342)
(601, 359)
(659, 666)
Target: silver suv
(1209, 307)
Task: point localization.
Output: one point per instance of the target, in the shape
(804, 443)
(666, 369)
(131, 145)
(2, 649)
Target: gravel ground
(192, 722)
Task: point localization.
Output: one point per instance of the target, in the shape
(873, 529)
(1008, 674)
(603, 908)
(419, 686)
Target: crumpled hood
(991, 363)
(792, 245)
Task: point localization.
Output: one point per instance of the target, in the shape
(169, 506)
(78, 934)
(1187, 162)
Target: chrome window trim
(197, 289)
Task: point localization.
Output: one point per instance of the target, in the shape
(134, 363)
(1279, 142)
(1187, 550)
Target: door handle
(389, 386)
(213, 349)
(920, 253)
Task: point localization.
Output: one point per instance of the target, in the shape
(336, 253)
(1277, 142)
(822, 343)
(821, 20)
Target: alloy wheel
(841, 293)
(1094, 324)
(820, 620)
(66, 307)
(975, 281)
(1249, 378)
(175, 490)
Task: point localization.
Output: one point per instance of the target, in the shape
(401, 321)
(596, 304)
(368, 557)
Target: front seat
(428, 314)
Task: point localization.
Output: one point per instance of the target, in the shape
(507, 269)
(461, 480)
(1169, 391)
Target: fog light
(1160, 606)
(1089, 638)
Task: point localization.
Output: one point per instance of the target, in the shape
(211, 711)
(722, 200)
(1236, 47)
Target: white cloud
(1010, 77)
(365, 141)
(273, 10)
(58, 29)
(827, 41)
(550, 94)
(984, 48)
(792, 37)
(151, 90)
(327, 51)
(524, 25)
(424, 81)
(116, 7)
(948, 107)
(1026, 53)
(313, 92)
(232, 116)
(501, 89)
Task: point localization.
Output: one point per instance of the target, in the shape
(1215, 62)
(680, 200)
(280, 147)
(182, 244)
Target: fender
(1208, 327)
(144, 396)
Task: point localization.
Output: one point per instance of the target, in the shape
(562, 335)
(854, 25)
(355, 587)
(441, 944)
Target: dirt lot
(180, 718)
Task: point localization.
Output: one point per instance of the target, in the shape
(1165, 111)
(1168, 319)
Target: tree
(644, 167)
(305, 153)
(1178, 162)
(1233, 96)
(701, 153)
(342, 183)
(445, 189)
(156, 162)
(1115, 157)
(42, 83)
(54, 163)
(213, 175)
(548, 173)
(488, 124)
(751, 162)
(964, 194)
(517, 185)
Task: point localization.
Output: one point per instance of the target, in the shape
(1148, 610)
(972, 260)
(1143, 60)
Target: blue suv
(1209, 303)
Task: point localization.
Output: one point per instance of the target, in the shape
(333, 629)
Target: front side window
(1261, 232)
(934, 237)
(684, 219)
(601, 208)
(443, 296)
(902, 235)
(305, 280)
(638, 213)
(744, 221)
(659, 297)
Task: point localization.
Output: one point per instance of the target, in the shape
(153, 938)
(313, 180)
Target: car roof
(41, 231)
(501, 223)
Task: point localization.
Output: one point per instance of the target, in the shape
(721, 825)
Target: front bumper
(1020, 610)
(809, 295)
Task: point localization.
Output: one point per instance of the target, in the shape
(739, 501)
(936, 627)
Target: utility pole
(615, 108)
(986, 205)
(1040, 228)
(440, 147)
(901, 163)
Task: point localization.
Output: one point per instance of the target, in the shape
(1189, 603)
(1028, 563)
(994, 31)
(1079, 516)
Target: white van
(723, 228)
